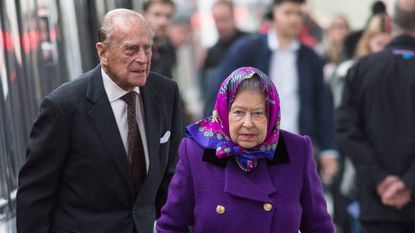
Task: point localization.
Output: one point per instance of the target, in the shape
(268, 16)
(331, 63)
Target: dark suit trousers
(387, 227)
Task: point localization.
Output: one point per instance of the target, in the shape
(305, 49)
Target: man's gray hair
(404, 16)
(107, 23)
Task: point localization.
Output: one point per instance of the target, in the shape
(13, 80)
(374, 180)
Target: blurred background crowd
(201, 32)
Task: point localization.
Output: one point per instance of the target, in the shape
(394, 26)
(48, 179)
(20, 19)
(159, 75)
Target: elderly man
(375, 124)
(103, 147)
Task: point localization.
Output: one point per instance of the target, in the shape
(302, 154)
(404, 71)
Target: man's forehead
(136, 42)
(128, 22)
(131, 29)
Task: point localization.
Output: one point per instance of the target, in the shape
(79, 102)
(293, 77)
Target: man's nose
(141, 56)
(164, 20)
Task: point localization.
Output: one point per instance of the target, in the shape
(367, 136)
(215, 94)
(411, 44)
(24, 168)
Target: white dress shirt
(119, 108)
(284, 74)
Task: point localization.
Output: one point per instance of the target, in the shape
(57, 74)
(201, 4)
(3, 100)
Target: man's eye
(147, 47)
(130, 49)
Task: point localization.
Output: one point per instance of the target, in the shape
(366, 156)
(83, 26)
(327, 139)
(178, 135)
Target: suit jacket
(316, 110)
(375, 125)
(279, 196)
(77, 177)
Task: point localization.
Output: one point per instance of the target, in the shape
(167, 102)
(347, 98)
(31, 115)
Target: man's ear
(102, 53)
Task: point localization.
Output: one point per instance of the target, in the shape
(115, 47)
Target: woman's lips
(247, 137)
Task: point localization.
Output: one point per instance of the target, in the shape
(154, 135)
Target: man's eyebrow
(128, 45)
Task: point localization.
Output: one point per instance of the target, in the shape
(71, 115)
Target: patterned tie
(135, 144)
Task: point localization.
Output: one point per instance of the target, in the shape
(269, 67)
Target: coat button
(267, 207)
(220, 209)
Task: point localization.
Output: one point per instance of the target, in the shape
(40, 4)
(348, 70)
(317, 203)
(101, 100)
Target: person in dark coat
(159, 14)
(239, 173)
(375, 126)
(224, 18)
(103, 148)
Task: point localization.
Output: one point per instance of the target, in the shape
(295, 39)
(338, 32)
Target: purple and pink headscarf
(213, 132)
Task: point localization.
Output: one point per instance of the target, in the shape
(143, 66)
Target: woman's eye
(238, 112)
(258, 114)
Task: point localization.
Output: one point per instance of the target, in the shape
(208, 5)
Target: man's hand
(399, 200)
(384, 185)
(393, 192)
(329, 168)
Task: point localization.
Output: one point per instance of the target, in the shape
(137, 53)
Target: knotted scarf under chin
(247, 159)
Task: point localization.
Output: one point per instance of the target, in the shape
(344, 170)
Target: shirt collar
(114, 92)
(274, 44)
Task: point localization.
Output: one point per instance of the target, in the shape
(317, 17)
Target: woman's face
(248, 119)
(378, 42)
(338, 30)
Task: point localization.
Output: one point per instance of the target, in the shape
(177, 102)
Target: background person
(159, 14)
(331, 48)
(350, 43)
(345, 208)
(376, 130)
(224, 18)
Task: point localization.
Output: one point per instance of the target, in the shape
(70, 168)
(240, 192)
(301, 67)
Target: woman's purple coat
(289, 183)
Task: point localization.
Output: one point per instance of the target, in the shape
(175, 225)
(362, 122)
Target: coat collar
(405, 41)
(256, 185)
(153, 120)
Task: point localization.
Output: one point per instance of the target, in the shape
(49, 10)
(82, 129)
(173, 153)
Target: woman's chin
(247, 144)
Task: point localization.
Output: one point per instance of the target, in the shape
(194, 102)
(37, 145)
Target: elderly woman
(238, 172)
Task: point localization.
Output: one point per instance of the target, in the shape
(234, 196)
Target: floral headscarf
(213, 132)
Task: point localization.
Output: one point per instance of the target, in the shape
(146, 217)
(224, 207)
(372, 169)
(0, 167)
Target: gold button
(220, 209)
(267, 207)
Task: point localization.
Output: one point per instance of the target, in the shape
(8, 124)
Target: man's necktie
(135, 144)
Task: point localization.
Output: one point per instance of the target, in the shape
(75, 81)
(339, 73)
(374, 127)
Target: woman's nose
(247, 121)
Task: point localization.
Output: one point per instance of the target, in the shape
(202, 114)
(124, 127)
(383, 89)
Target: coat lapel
(152, 121)
(103, 118)
(255, 185)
